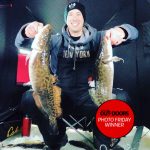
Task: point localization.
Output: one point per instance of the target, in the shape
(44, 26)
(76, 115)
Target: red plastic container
(26, 126)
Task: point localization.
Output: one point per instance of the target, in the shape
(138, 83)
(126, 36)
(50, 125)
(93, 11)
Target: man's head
(74, 16)
(74, 5)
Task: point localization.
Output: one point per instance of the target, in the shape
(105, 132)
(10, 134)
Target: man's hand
(116, 35)
(32, 29)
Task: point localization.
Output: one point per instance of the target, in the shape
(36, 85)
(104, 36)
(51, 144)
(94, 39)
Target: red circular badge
(114, 118)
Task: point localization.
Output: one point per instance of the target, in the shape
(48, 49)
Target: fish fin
(38, 103)
(116, 59)
(37, 100)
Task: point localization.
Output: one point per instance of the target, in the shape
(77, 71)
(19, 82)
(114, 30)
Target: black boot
(104, 143)
(59, 142)
(118, 147)
(101, 142)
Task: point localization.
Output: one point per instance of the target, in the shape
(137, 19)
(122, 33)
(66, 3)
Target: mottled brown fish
(105, 73)
(46, 94)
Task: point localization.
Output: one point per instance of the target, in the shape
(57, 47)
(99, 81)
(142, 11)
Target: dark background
(133, 75)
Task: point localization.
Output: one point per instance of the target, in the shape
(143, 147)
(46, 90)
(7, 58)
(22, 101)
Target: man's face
(75, 21)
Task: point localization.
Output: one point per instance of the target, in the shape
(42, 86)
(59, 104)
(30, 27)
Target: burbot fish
(46, 94)
(105, 73)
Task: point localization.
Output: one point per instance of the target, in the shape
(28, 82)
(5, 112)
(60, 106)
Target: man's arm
(122, 33)
(132, 32)
(26, 34)
(21, 40)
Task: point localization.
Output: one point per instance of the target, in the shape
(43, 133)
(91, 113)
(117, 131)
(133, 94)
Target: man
(73, 55)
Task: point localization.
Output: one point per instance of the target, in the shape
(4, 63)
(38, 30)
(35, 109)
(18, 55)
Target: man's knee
(27, 102)
(122, 95)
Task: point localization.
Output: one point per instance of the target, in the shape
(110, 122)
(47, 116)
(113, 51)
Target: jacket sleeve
(131, 31)
(21, 41)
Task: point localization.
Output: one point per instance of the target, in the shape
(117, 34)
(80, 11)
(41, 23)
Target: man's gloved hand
(116, 35)
(32, 29)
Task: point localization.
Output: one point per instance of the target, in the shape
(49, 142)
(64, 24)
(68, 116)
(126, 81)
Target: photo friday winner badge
(114, 118)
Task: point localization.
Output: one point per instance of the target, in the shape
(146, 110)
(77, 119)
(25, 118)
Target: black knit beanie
(74, 5)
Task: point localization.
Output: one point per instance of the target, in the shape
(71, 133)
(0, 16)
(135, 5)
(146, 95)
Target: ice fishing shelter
(133, 75)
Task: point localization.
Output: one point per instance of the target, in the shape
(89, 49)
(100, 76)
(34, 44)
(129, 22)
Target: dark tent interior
(132, 75)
